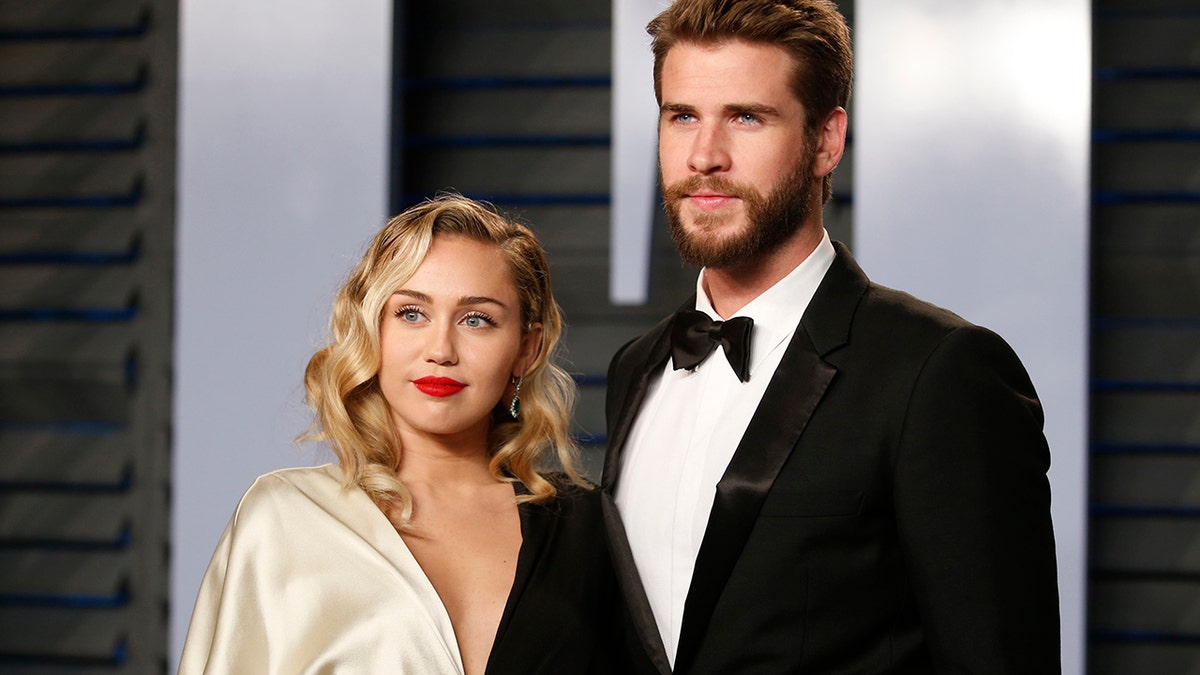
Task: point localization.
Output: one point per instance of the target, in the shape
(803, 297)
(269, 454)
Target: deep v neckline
(531, 538)
(533, 534)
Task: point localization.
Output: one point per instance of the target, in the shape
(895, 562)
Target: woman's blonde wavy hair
(342, 386)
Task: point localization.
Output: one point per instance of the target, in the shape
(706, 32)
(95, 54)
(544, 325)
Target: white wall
(282, 178)
(971, 137)
(634, 183)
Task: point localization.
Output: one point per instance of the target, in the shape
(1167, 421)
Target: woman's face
(451, 339)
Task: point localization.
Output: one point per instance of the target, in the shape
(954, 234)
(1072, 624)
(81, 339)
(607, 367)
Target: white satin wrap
(311, 578)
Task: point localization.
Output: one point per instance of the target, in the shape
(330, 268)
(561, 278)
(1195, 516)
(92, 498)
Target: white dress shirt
(685, 434)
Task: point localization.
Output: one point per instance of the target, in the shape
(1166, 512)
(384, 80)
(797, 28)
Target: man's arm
(973, 510)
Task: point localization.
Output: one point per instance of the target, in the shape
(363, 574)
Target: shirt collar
(778, 310)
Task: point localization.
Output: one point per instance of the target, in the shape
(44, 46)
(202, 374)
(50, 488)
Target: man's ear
(831, 142)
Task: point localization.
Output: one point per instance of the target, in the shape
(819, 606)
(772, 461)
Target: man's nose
(710, 152)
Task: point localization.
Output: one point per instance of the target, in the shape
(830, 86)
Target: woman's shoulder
(278, 490)
(569, 489)
(302, 479)
(572, 500)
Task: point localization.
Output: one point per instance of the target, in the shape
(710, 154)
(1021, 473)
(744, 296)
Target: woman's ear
(531, 347)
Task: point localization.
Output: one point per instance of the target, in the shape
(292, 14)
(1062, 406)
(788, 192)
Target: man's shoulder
(847, 285)
(890, 304)
(915, 330)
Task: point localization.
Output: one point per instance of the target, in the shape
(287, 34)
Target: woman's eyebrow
(464, 300)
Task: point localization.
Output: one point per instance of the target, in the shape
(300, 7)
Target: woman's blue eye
(409, 314)
(478, 321)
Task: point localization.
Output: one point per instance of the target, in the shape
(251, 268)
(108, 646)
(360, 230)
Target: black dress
(559, 618)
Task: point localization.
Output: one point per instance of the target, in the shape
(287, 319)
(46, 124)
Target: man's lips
(710, 201)
(438, 386)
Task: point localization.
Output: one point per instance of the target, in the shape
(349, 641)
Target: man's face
(736, 169)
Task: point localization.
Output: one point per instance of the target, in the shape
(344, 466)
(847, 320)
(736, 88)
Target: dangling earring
(514, 408)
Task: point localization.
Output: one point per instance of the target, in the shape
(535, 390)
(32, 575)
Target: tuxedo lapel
(797, 387)
(637, 605)
(628, 382)
(789, 401)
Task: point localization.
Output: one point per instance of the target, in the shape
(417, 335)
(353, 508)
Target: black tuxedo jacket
(887, 510)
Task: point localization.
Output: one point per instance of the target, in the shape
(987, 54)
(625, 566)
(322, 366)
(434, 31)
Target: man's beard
(771, 219)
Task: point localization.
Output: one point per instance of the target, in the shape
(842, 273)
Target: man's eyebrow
(676, 108)
(752, 108)
(728, 109)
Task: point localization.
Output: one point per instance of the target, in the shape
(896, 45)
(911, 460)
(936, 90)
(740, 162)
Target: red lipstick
(439, 386)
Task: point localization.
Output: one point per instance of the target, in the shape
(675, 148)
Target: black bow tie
(694, 336)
